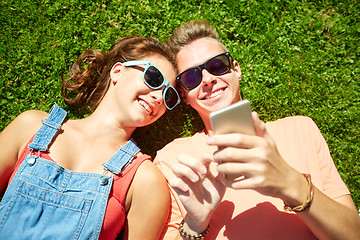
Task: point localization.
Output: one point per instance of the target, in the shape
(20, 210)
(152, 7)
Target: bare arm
(332, 218)
(149, 204)
(14, 138)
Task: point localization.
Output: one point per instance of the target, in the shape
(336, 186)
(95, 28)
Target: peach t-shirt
(246, 214)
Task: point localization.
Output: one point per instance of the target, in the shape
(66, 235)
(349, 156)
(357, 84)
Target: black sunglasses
(217, 65)
(154, 79)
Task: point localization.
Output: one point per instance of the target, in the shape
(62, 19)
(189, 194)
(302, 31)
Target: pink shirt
(246, 214)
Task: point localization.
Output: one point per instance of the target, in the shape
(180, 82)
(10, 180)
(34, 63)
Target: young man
(286, 164)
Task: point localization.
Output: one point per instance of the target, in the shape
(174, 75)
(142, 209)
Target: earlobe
(237, 69)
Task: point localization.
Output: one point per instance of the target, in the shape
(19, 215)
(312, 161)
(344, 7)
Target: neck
(104, 122)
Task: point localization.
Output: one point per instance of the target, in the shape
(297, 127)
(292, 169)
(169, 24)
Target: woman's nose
(157, 95)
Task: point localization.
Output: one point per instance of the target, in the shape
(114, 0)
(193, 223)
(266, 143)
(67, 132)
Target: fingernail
(184, 188)
(194, 178)
(203, 170)
(210, 141)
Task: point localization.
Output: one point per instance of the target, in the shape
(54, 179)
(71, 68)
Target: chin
(220, 105)
(140, 122)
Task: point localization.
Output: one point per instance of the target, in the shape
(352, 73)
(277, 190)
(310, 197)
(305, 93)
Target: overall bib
(47, 201)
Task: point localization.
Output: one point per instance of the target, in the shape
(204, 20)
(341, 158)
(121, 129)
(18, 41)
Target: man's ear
(237, 69)
(182, 93)
(115, 72)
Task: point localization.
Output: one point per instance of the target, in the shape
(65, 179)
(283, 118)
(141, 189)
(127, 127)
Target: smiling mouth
(145, 106)
(214, 94)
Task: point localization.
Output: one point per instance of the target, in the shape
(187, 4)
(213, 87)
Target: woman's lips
(146, 106)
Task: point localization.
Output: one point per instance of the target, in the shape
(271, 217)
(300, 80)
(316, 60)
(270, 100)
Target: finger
(240, 169)
(243, 183)
(185, 172)
(259, 126)
(195, 164)
(233, 140)
(179, 185)
(239, 155)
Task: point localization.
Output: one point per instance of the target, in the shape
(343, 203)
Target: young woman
(85, 179)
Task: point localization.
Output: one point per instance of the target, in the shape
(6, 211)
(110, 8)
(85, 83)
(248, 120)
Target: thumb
(260, 128)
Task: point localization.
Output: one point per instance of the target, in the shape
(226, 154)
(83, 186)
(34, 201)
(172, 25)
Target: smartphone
(235, 118)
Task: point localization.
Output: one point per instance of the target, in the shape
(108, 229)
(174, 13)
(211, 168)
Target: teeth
(214, 94)
(145, 105)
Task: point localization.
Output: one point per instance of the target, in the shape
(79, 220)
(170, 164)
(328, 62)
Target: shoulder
(291, 121)
(25, 125)
(292, 125)
(148, 175)
(31, 121)
(149, 184)
(300, 131)
(147, 202)
(31, 117)
(14, 138)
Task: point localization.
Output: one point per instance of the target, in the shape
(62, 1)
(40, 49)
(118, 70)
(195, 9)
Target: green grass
(297, 58)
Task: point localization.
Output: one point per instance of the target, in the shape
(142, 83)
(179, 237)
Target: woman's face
(214, 92)
(139, 104)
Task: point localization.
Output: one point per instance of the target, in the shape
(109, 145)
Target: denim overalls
(46, 201)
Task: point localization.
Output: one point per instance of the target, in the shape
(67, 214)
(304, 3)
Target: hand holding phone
(235, 118)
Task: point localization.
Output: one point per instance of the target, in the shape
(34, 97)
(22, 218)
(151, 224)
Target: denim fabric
(47, 201)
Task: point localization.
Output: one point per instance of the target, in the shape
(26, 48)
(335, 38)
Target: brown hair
(191, 31)
(90, 74)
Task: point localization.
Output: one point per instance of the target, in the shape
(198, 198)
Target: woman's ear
(115, 72)
(237, 69)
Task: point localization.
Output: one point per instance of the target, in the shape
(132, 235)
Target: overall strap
(122, 157)
(49, 128)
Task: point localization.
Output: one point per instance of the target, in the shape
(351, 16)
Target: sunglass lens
(171, 98)
(191, 78)
(153, 77)
(218, 65)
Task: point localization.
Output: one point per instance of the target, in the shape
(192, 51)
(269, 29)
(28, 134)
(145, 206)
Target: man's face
(214, 92)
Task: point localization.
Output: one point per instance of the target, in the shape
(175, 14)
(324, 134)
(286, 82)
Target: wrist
(194, 225)
(296, 207)
(296, 189)
(187, 233)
